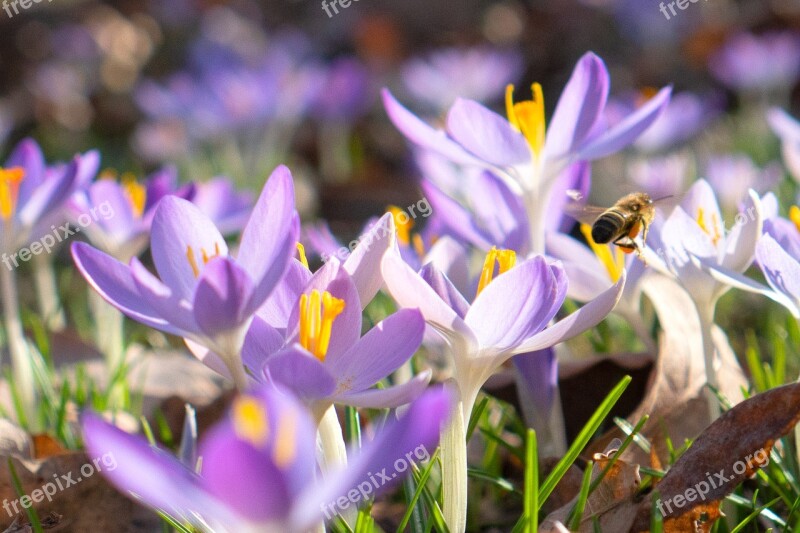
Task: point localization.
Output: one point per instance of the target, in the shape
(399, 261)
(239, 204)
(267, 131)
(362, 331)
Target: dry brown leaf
(725, 454)
(611, 503)
(676, 400)
(46, 446)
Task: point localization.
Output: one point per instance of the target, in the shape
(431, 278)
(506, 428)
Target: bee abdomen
(606, 227)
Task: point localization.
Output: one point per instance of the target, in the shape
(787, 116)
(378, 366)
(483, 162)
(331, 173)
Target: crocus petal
(576, 177)
(177, 226)
(262, 479)
(422, 134)
(28, 155)
(517, 304)
(415, 434)
(781, 270)
(122, 222)
(486, 134)
(389, 397)
(154, 476)
(171, 307)
(261, 341)
(364, 263)
(223, 298)
(576, 323)
(113, 281)
(378, 353)
(740, 243)
(449, 294)
(579, 107)
(450, 258)
(739, 281)
(538, 379)
(700, 196)
(624, 133)
(278, 307)
(587, 277)
(209, 358)
(409, 290)
(300, 372)
(459, 220)
(784, 125)
(269, 239)
(49, 194)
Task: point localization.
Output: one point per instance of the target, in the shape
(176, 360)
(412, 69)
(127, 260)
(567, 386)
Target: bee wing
(583, 213)
(666, 204)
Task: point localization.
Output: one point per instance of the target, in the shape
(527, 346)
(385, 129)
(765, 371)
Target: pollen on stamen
(285, 449)
(9, 190)
(250, 421)
(505, 259)
(794, 216)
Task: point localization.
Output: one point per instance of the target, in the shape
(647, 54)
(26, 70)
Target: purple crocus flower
(222, 203)
(509, 316)
(203, 293)
(321, 356)
(30, 191)
(778, 255)
(479, 73)
(126, 207)
(258, 470)
(788, 129)
(740, 63)
(732, 175)
(520, 150)
(660, 177)
(686, 115)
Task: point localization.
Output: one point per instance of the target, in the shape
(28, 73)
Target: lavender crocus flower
(740, 63)
(258, 472)
(520, 150)
(126, 209)
(787, 128)
(203, 293)
(321, 355)
(479, 73)
(686, 115)
(695, 247)
(509, 316)
(732, 175)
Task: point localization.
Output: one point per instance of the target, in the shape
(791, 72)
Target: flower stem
(454, 469)
(109, 324)
(706, 315)
(44, 278)
(21, 368)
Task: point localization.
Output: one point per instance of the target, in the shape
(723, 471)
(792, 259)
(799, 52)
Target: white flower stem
(21, 367)
(706, 315)
(453, 442)
(109, 323)
(332, 453)
(44, 277)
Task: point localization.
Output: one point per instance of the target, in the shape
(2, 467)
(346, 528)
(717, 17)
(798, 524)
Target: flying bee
(620, 223)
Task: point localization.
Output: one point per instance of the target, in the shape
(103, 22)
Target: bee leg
(629, 245)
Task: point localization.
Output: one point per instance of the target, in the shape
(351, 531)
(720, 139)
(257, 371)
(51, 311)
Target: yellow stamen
(9, 190)
(135, 191)
(701, 221)
(301, 254)
(317, 313)
(527, 116)
(285, 449)
(250, 420)
(613, 260)
(206, 258)
(505, 259)
(794, 216)
(403, 223)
